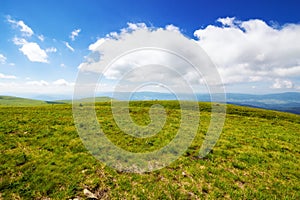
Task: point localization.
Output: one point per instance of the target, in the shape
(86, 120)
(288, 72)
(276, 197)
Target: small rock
(89, 194)
(191, 194)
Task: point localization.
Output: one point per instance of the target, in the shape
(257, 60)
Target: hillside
(17, 101)
(256, 157)
(285, 102)
(96, 99)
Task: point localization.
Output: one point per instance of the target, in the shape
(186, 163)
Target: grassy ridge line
(230, 109)
(18, 101)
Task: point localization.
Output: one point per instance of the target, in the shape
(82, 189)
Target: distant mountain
(50, 97)
(287, 102)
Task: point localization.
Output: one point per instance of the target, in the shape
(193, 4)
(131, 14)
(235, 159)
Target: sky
(254, 45)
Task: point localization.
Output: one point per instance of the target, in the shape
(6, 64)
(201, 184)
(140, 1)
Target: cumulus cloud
(26, 30)
(171, 27)
(32, 50)
(133, 27)
(62, 82)
(248, 51)
(228, 21)
(30, 86)
(2, 59)
(112, 35)
(94, 46)
(37, 83)
(252, 48)
(288, 72)
(157, 55)
(279, 84)
(4, 76)
(69, 47)
(74, 34)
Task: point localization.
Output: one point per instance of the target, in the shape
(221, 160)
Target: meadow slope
(42, 156)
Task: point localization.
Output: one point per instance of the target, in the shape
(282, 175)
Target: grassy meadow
(42, 156)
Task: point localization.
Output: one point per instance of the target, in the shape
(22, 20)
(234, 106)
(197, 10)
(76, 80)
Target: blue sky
(42, 43)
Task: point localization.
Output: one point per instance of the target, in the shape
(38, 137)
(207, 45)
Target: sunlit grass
(256, 157)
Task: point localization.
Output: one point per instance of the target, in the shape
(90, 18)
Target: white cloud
(3, 76)
(37, 83)
(32, 50)
(244, 52)
(279, 84)
(19, 41)
(69, 47)
(291, 71)
(37, 87)
(26, 30)
(2, 59)
(134, 26)
(252, 48)
(147, 64)
(41, 38)
(94, 46)
(171, 27)
(228, 21)
(34, 53)
(51, 50)
(131, 27)
(112, 35)
(74, 34)
(62, 82)
(59, 82)
(62, 65)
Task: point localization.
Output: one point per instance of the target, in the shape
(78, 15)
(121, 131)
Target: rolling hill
(18, 101)
(42, 156)
(286, 102)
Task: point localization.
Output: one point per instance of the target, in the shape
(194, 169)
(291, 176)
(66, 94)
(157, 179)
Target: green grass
(96, 99)
(256, 157)
(17, 101)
